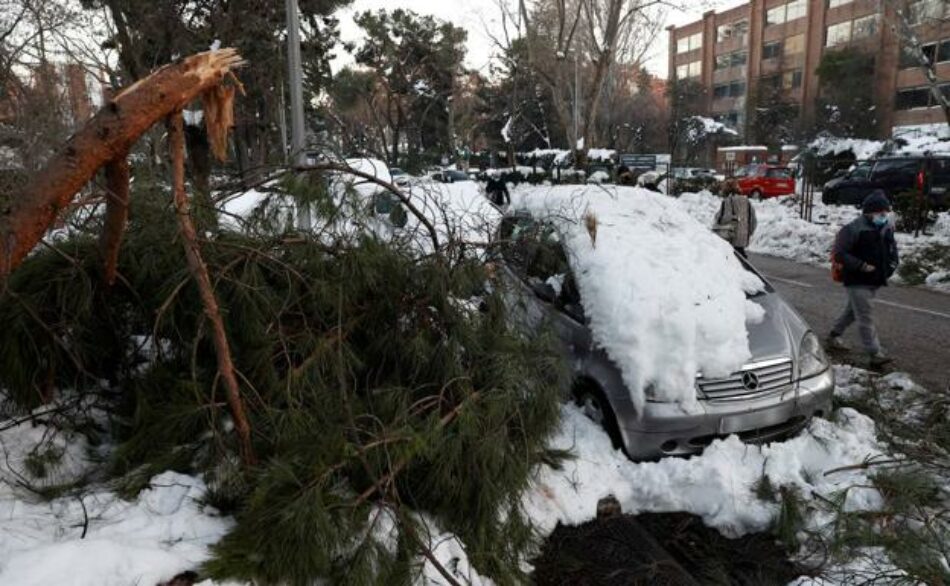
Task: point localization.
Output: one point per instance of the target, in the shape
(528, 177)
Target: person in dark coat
(497, 192)
(866, 251)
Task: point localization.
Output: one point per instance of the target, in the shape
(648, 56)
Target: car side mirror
(543, 290)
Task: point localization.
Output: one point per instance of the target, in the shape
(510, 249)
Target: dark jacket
(498, 192)
(862, 243)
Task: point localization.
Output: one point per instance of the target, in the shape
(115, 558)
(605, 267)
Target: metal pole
(576, 100)
(298, 137)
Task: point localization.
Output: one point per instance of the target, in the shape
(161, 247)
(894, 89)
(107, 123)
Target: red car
(763, 181)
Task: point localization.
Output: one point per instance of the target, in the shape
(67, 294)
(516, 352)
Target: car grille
(752, 381)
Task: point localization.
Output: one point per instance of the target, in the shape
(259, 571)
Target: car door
(547, 294)
(778, 182)
(895, 175)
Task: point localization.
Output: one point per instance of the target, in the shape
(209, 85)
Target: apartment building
(781, 43)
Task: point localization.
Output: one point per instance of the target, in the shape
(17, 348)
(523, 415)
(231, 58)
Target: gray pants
(859, 309)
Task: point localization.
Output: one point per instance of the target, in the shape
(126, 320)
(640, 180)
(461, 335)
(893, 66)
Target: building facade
(780, 43)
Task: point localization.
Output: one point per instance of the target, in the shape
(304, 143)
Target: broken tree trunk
(105, 138)
(199, 272)
(117, 215)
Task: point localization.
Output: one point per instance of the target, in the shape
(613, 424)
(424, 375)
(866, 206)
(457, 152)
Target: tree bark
(199, 272)
(109, 134)
(117, 215)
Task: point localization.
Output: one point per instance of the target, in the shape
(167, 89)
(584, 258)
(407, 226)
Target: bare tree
(598, 34)
(905, 25)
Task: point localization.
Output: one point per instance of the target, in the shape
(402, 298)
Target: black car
(893, 175)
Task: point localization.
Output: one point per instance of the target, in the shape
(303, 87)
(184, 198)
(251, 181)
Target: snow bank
(656, 284)
(95, 537)
(718, 485)
(832, 145)
(781, 232)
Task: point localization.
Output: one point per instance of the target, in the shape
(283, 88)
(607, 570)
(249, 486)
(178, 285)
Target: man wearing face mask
(867, 253)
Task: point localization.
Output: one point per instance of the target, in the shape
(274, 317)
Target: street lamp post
(295, 78)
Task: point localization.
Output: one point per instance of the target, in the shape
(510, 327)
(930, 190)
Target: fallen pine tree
(324, 386)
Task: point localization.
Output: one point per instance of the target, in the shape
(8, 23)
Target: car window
(861, 172)
(940, 173)
(901, 169)
(778, 173)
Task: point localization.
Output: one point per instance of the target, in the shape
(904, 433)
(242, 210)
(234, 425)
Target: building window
(690, 43)
(732, 30)
(735, 89)
(775, 16)
(796, 9)
(695, 68)
(924, 10)
(771, 50)
(943, 55)
(771, 82)
(913, 98)
(682, 71)
(864, 27)
(792, 80)
(738, 59)
(838, 34)
(795, 45)
(837, 3)
(723, 61)
(786, 12)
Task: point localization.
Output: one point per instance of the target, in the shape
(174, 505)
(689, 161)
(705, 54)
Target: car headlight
(812, 359)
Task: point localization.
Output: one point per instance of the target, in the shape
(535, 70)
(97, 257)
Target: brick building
(781, 42)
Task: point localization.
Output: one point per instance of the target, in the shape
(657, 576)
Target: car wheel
(756, 194)
(595, 406)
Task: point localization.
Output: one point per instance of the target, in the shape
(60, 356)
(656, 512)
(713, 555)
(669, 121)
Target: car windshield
(778, 173)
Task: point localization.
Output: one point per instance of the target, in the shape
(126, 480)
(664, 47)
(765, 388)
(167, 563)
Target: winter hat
(876, 202)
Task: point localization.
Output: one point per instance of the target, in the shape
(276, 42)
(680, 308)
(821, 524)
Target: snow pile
(601, 155)
(95, 537)
(559, 156)
(831, 146)
(718, 485)
(701, 126)
(781, 232)
(656, 284)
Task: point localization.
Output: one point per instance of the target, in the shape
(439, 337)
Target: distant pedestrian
(497, 192)
(625, 176)
(736, 221)
(866, 253)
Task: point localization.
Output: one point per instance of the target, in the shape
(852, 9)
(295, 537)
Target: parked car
(764, 181)
(400, 177)
(787, 381)
(449, 176)
(894, 175)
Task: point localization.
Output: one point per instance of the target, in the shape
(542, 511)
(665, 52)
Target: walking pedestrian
(866, 254)
(736, 221)
(497, 192)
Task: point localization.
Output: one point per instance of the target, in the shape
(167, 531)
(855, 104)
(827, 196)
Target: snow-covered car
(400, 177)
(673, 340)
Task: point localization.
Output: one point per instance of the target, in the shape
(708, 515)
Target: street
(913, 323)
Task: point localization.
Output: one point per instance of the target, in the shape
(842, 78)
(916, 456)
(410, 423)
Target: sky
(478, 16)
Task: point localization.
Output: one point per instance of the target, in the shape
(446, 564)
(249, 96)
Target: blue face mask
(880, 221)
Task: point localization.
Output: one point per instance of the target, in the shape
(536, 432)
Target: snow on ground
(94, 537)
(656, 284)
(719, 485)
(166, 530)
(781, 232)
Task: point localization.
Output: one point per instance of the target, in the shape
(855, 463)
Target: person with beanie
(867, 253)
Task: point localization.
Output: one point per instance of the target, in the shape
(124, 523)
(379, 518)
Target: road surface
(913, 323)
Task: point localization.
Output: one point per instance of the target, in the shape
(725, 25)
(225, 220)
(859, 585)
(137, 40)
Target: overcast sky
(475, 15)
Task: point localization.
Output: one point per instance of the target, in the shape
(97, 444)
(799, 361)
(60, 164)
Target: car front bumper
(666, 429)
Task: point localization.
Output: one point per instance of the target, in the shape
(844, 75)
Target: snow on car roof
(666, 298)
